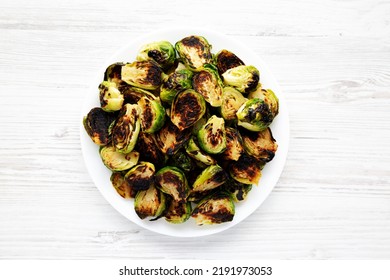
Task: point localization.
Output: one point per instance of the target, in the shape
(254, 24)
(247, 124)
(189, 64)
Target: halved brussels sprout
(187, 108)
(163, 53)
(212, 136)
(110, 97)
(148, 149)
(177, 81)
(140, 177)
(182, 161)
(254, 115)
(196, 153)
(152, 115)
(121, 186)
(244, 78)
(216, 209)
(113, 73)
(198, 125)
(142, 74)
(171, 180)
(149, 203)
(170, 139)
(208, 83)
(247, 170)
(117, 161)
(132, 94)
(238, 191)
(210, 178)
(98, 124)
(226, 60)
(195, 51)
(269, 98)
(260, 145)
(232, 100)
(126, 129)
(178, 212)
(234, 147)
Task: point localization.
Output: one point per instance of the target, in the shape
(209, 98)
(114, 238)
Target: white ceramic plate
(280, 129)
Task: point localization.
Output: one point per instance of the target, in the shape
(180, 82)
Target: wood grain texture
(332, 60)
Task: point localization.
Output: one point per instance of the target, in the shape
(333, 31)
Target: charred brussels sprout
(182, 161)
(132, 94)
(187, 108)
(152, 115)
(178, 212)
(232, 100)
(247, 170)
(117, 161)
(113, 73)
(243, 78)
(226, 60)
(196, 153)
(269, 98)
(142, 74)
(212, 136)
(149, 203)
(148, 150)
(170, 139)
(172, 181)
(110, 97)
(195, 51)
(238, 191)
(254, 115)
(121, 186)
(126, 129)
(163, 53)
(98, 124)
(140, 177)
(216, 209)
(177, 81)
(210, 178)
(208, 83)
(260, 145)
(234, 147)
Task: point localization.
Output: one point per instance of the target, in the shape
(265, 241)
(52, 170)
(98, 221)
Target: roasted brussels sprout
(212, 136)
(194, 51)
(140, 177)
(216, 209)
(238, 191)
(143, 74)
(132, 94)
(254, 115)
(196, 153)
(171, 180)
(187, 108)
(117, 161)
(170, 139)
(244, 78)
(152, 115)
(210, 178)
(113, 73)
(110, 97)
(182, 161)
(208, 83)
(148, 150)
(98, 124)
(269, 98)
(226, 60)
(234, 147)
(177, 81)
(232, 100)
(260, 145)
(247, 170)
(149, 203)
(163, 53)
(121, 186)
(178, 212)
(126, 129)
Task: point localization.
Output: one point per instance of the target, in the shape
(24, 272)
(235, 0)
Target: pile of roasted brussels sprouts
(184, 131)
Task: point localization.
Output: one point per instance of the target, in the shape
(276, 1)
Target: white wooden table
(332, 58)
